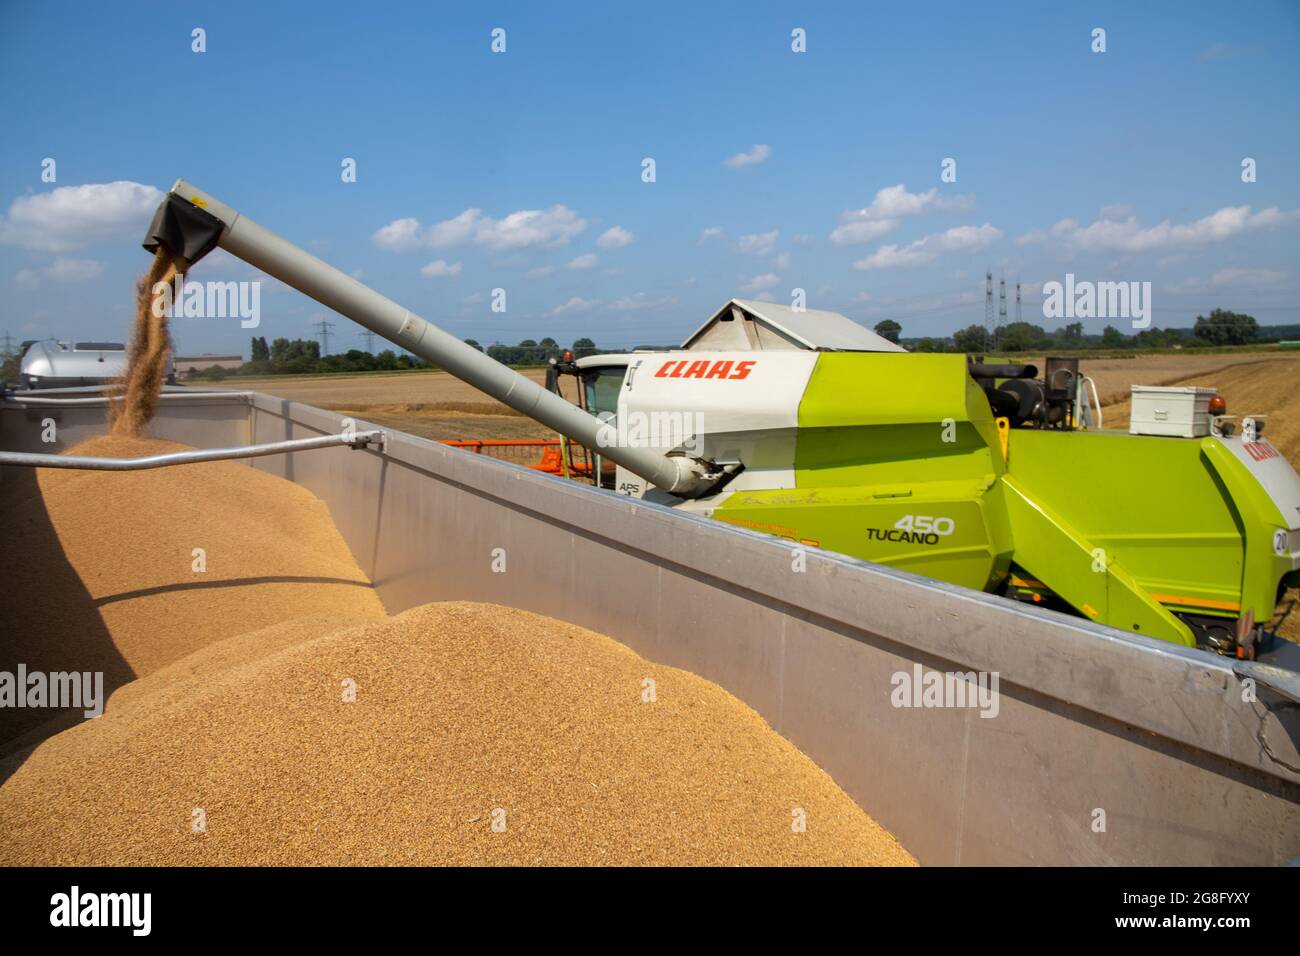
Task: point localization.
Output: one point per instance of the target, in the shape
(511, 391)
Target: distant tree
(973, 338)
(1225, 328)
(1071, 334)
(528, 344)
(583, 344)
(929, 345)
(1113, 338)
(473, 344)
(549, 343)
(215, 373)
(889, 329)
(9, 367)
(1021, 337)
(261, 351)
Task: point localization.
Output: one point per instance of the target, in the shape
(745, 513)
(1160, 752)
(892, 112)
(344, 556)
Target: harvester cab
(804, 425)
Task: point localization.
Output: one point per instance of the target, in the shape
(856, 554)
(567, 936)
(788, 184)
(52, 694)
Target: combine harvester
(814, 513)
(807, 426)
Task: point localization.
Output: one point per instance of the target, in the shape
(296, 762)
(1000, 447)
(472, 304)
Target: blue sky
(1122, 165)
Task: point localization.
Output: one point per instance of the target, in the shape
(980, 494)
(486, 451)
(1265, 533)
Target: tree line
(284, 356)
(1221, 327)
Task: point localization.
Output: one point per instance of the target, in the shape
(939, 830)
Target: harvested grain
(478, 734)
(465, 715)
(100, 566)
(151, 345)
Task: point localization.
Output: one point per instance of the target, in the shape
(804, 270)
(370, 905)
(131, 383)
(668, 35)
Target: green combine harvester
(804, 425)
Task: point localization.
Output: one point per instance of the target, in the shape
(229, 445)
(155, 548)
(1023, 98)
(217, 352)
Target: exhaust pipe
(192, 223)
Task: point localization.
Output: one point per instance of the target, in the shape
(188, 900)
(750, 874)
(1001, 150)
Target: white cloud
(1125, 235)
(543, 228)
(61, 270)
(858, 231)
(922, 251)
(70, 217)
(1258, 280)
(758, 243)
(556, 226)
(440, 268)
(540, 272)
(1247, 277)
(781, 261)
(712, 232)
(75, 270)
(586, 261)
(641, 302)
(757, 154)
(760, 283)
(1219, 51)
(615, 238)
(889, 206)
(575, 304)
(400, 235)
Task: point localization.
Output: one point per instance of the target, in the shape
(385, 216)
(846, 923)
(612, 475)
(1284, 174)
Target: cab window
(601, 387)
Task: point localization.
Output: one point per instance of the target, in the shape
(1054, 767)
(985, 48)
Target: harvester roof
(743, 324)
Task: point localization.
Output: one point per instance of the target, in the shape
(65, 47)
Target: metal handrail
(90, 463)
(93, 400)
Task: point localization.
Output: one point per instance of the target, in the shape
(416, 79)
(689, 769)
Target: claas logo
(703, 368)
(1260, 450)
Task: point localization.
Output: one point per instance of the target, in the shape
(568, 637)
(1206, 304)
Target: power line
(370, 340)
(323, 328)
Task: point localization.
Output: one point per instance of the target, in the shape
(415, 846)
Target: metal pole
(280, 258)
(24, 398)
(89, 463)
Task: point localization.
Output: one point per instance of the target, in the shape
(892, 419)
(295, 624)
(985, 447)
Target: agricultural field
(429, 404)
(437, 405)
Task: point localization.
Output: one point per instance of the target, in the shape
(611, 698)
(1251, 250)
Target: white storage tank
(1180, 411)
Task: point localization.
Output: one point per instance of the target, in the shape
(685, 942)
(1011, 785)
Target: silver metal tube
(92, 400)
(90, 463)
(280, 258)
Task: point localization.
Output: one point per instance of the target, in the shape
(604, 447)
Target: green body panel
(862, 522)
(1258, 517)
(878, 445)
(1126, 529)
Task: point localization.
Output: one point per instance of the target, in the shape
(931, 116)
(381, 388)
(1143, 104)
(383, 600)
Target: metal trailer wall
(1107, 748)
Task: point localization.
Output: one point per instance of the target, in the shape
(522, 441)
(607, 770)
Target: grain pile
(478, 734)
(101, 575)
(151, 346)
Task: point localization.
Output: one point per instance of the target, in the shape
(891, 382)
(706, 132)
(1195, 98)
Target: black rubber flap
(183, 228)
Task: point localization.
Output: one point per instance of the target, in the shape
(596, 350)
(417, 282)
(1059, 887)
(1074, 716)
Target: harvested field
(1114, 376)
(1270, 385)
(465, 716)
(428, 404)
(437, 405)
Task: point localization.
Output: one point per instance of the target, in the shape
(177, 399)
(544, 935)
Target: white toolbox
(1183, 412)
